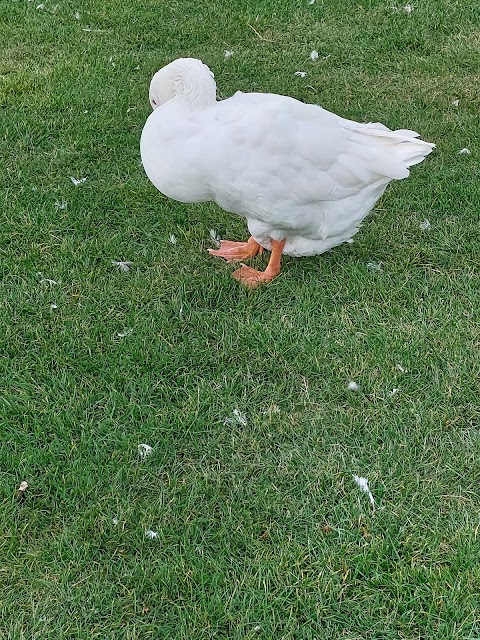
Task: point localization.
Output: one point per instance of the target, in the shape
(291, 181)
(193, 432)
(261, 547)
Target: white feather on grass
(363, 484)
(77, 181)
(314, 56)
(123, 265)
(151, 534)
(214, 235)
(300, 74)
(237, 418)
(144, 450)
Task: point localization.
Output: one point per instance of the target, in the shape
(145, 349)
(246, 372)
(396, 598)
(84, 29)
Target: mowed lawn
(262, 531)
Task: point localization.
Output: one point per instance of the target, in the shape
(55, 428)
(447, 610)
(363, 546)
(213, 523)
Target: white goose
(304, 178)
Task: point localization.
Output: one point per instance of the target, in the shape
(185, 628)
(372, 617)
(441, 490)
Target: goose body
(303, 177)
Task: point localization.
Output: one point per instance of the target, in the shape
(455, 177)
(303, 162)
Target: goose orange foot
(237, 251)
(252, 278)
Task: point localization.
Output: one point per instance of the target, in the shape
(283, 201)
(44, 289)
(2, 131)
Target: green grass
(262, 531)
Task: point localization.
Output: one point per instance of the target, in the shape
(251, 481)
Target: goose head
(184, 79)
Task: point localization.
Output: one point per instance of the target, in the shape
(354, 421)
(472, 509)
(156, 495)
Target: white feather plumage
(295, 171)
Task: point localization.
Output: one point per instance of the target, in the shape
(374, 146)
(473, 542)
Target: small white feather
(215, 237)
(227, 54)
(464, 152)
(363, 484)
(425, 225)
(352, 386)
(151, 534)
(300, 74)
(123, 265)
(144, 450)
(77, 181)
(314, 55)
(172, 239)
(125, 332)
(237, 418)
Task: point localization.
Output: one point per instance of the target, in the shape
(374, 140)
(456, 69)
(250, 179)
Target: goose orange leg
(237, 251)
(252, 278)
